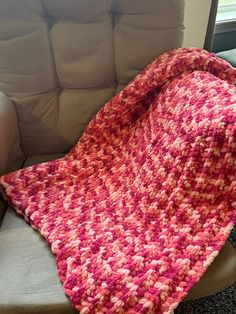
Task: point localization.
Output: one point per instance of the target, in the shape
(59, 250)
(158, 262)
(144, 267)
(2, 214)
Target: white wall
(196, 20)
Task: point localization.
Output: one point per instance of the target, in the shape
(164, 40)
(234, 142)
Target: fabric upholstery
(36, 159)
(3, 207)
(31, 285)
(229, 55)
(60, 61)
(11, 156)
(35, 288)
(81, 66)
(84, 104)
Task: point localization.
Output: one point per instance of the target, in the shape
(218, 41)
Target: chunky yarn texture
(139, 208)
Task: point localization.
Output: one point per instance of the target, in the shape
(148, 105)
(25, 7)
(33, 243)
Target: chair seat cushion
(29, 279)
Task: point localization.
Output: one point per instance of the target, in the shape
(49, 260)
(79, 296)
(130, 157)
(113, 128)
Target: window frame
(229, 10)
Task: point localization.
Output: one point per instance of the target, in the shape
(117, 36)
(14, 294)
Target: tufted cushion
(81, 66)
(60, 61)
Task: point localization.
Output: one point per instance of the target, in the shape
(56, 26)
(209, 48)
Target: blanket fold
(139, 208)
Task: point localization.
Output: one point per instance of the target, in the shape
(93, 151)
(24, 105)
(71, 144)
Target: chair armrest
(11, 156)
(3, 208)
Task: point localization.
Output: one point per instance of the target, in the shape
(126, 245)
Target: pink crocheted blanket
(139, 208)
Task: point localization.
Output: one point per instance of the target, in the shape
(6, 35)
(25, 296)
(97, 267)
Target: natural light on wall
(226, 11)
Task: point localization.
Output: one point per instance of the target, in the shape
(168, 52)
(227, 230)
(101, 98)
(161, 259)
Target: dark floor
(221, 303)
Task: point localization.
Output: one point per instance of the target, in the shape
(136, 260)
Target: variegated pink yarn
(140, 207)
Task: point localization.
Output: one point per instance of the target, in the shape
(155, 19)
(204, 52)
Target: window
(226, 11)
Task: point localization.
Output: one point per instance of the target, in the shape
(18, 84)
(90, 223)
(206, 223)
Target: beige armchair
(60, 61)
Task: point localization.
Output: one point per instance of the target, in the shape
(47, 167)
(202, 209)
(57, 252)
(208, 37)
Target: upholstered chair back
(61, 60)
